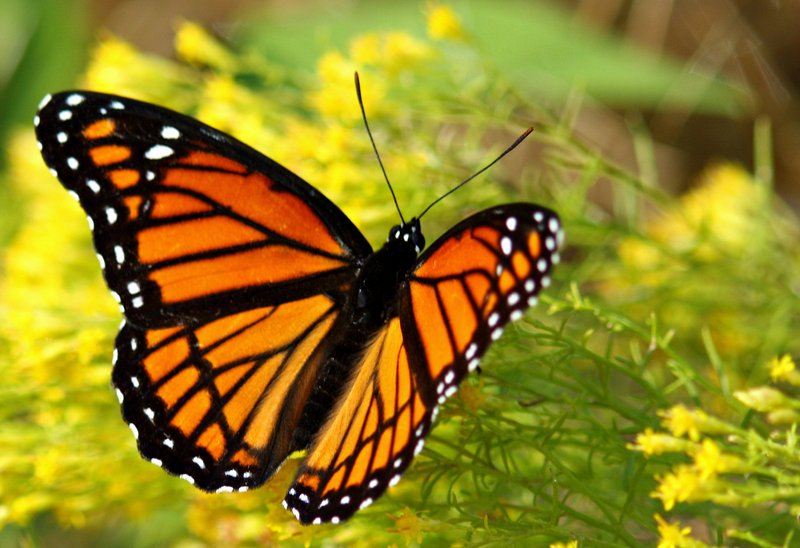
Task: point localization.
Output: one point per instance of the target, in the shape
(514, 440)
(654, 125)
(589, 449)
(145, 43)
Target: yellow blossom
(570, 544)
(655, 443)
(710, 460)
(682, 421)
(366, 49)
(673, 535)
(783, 369)
(681, 485)
(402, 51)
(195, 45)
(443, 23)
(408, 525)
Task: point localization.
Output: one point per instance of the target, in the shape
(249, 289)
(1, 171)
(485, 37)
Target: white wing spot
(471, 349)
(39, 145)
(65, 115)
(450, 391)
(134, 344)
(137, 301)
(335, 520)
(134, 288)
(120, 396)
(90, 221)
(102, 261)
(199, 462)
(449, 377)
(116, 105)
(187, 477)
(530, 285)
(541, 265)
(116, 296)
(511, 223)
(157, 462)
(150, 413)
(74, 195)
(285, 504)
(553, 225)
(53, 172)
(225, 489)
(345, 500)
(324, 503)
(119, 254)
(513, 298)
(149, 175)
(36, 120)
(440, 388)
(46, 99)
(111, 215)
(135, 382)
(418, 447)
(473, 364)
(134, 430)
(546, 281)
(74, 100)
(73, 163)
(296, 513)
(532, 301)
(398, 462)
(516, 314)
(550, 243)
(157, 152)
(505, 245)
(114, 356)
(496, 333)
(538, 216)
(243, 488)
(493, 319)
(232, 473)
(169, 443)
(93, 186)
(373, 483)
(61, 137)
(303, 497)
(364, 503)
(169, 132)
(394, 481)
(434, 413)
(317, 521)
(246, 475)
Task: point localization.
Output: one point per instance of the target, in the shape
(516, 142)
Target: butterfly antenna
(484, 168)
(375, 148)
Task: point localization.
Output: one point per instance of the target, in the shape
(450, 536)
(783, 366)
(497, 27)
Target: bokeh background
(648, 93)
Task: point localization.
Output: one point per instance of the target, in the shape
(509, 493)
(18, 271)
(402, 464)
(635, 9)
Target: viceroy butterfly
(258, 319)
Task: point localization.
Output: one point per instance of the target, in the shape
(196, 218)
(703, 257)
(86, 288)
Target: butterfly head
(409, 234)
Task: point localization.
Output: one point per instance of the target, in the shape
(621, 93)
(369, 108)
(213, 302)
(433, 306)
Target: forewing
(480, 275)
(188, 222)
(216, 402)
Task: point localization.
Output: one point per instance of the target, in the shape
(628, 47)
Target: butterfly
(258, 320)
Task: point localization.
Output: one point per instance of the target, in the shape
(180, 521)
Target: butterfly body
(258, 319)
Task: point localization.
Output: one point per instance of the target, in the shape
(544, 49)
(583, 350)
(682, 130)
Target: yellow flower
(655, 443)
(408, 525)
(570, 544)
(195, 45)
(680, 420)
(402, 51)
(782, 368)
(366, 49)
(672, 535)
(709, 460)
(443, 23)
(681, 485)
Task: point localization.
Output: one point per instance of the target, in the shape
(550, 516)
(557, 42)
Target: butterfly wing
(187, 221)
(472, 281)
(231, 272)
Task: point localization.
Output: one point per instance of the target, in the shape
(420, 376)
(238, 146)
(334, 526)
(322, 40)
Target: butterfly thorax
(383, 272)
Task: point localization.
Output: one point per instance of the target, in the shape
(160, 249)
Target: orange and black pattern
(259, 321)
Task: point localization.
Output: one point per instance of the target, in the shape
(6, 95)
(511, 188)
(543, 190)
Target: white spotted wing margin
(485, 272)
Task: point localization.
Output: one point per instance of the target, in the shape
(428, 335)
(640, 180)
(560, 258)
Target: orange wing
(370, 438)
(479, 276)
(188, 222)
(217, 402)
